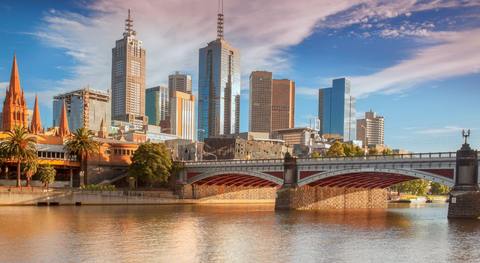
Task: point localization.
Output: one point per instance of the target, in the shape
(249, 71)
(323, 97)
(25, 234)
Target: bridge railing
(220, 162)
(325, 159)
(382, 157)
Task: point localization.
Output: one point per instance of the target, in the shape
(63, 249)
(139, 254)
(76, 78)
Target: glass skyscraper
(337, 110)
(218, 87)
(156, 104)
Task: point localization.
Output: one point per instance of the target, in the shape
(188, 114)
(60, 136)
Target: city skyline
(390, 51)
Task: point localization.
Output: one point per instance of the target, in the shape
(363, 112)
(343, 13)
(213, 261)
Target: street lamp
(131, 182)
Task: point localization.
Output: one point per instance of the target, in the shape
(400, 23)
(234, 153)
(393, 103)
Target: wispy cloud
(445, 129)
(457, 55)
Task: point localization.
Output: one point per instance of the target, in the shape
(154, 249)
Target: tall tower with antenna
(128, 78)
(218, 85)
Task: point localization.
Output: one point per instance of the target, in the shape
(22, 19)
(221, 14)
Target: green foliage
(387, 152)
(18, 144)
(46, 173)
(415, 187)
(176, 169)
(315, 155)
(82, 144)
(439, 189)
(359, 151)
(151, 162)
(373, 151)
(336, 150)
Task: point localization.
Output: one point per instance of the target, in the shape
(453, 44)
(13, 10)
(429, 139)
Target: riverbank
(21, 197)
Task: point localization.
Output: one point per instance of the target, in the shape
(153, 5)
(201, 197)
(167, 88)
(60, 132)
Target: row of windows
(123, 152)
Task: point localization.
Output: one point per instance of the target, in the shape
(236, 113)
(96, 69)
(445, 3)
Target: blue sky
(417, 63)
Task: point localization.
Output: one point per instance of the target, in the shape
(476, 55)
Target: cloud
(446, 129)
(309, 92)
(456, 55)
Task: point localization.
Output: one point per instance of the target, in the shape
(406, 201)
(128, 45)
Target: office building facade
(283, 104)
(156, 104)
(371, 129)
(218, 87)
(178, 82)
(336, 110)
(260, 99)
(84, 108)
(183, 115)
(128, 78)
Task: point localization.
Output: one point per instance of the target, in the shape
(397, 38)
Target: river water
(235, 233)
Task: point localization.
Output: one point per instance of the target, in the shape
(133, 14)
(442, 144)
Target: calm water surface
(235, 233)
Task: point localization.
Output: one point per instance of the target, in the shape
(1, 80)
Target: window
(115, 152)
(128, 152)
(123, 152)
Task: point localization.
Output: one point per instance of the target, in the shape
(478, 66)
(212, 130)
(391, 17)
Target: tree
(18, 144)
(348, 149)
(46, 173)
(414, 187)
(439, 189)
(150, 162)
(373, 151)
(387, 152)
(314, 155)
(359, 151)
(82, 144)
(29, 168)
(335, 150)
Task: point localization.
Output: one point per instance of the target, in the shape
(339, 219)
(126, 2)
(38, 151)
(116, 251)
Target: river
(235, 233)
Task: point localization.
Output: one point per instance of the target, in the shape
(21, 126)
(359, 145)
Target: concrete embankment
(100, 198)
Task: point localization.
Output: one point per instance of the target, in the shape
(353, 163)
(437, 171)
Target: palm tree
(46, 173)
(18, 144)
(82, 144)
(30, 168)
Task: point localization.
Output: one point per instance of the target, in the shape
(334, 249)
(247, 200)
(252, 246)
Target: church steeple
(36, 126)
(64, 131)
(14, 105)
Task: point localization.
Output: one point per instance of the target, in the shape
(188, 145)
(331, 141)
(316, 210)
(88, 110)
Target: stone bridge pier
(290, 196)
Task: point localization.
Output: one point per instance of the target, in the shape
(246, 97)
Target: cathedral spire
(36, 126)
(14, 79)
(63, 129)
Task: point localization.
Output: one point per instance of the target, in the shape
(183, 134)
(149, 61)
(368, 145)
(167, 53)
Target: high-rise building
(156, 104)
(260, 112)
(283, 104)
(178, 82)
(183, 115)
(84, 108)
(371, 130)
(14, 106)
(272, 103)
(128, 78)
(218, 87)
(336, 110)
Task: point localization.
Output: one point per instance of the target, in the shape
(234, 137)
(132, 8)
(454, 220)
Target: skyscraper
(156, 104)
(218, 87)
(128, 78)
(183, 115)
(283, 104)
(336, 110)
(84, 108)
(178, 82)
(371, 130)
(260, 112)
(272, 103)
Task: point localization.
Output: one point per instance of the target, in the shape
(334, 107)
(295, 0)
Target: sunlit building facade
(156, 104)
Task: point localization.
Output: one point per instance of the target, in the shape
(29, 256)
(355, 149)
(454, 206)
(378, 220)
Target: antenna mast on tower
(129, 26)
(220, 20)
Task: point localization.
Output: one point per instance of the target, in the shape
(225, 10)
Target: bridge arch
(269, 179)
(372, 177)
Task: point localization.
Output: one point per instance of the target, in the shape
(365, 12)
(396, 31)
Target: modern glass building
(156, 104)
(218, 87)
(336, 110)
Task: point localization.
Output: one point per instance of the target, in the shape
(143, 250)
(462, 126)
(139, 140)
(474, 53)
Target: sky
(416, 63)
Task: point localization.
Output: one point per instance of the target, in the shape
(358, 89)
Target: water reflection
(235, 233)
